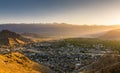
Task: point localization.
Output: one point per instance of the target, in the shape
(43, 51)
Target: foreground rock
(18, 63)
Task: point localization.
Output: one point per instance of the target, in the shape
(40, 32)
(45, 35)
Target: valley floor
(68, 55)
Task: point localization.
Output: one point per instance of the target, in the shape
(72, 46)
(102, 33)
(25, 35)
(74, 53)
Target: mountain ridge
(57, 30)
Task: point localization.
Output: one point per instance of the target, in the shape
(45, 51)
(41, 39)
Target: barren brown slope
(18, 63)
(106, 64)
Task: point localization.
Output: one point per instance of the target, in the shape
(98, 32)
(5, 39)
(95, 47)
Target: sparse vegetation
(89, 43)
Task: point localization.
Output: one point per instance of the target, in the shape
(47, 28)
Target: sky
(91, 12)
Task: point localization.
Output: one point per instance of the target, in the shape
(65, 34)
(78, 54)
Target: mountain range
(57, 30)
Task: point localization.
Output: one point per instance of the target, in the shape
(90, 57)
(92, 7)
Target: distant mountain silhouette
(28, 34)
(11, 38)
(56, 30)
(111, 35)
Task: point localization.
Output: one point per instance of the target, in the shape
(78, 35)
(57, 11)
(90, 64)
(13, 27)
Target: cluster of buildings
(68, 59)
(62, 59)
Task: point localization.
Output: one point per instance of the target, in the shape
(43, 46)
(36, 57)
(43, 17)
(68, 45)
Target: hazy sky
(66, 11)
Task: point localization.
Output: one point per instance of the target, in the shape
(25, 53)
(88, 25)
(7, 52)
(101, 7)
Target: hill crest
(11, 38)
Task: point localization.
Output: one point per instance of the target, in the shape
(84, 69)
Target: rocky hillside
(106, 64)
(11, 38)
(18, 63)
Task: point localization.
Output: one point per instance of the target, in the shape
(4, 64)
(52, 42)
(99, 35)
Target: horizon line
(40, 23)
